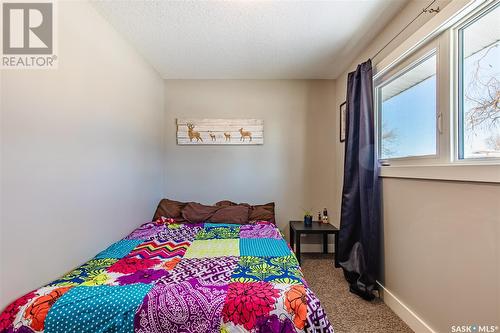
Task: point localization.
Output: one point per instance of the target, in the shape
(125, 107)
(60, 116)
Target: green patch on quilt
(218, 233)
(96, 264)
(285, 262)
(276, 270)
(248, 261)
(287, 281)
(83, 273)
(244, 279)
(264, 270)
(213, 248)
(96, 278)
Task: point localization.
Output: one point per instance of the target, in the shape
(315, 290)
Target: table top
(315, 227)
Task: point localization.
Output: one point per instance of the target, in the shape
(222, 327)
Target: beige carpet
(347, 312)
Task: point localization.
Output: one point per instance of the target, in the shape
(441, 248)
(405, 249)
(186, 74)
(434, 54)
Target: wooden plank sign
(220, 131)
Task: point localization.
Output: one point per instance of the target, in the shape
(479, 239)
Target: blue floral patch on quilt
(119, 249)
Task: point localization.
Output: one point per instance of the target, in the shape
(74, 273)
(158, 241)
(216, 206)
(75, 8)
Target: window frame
(456, 64)
(383, 78)
(445, 38)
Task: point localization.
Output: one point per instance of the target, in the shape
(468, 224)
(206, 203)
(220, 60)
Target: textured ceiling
(249, 39)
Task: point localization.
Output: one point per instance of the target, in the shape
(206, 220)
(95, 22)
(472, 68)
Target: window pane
(480, 87)
(408, 112)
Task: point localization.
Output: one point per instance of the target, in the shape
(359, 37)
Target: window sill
(482, 173)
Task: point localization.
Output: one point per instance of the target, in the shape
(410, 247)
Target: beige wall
(440, 238)
(292, 168)
(441, 250)
(81, 152)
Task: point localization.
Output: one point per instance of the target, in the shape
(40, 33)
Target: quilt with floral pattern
(178, 278)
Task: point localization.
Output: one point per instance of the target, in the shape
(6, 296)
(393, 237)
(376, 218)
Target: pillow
(237, 214)
(262, 212)
(222, 212)
(170, 209)
(225, 203)
(195, 212)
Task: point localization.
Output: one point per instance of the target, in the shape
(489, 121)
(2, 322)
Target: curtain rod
(425, 10)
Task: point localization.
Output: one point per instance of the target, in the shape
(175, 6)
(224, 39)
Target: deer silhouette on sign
(245, 134)
(193, 134)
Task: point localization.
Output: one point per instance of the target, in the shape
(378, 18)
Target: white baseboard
(417, 324)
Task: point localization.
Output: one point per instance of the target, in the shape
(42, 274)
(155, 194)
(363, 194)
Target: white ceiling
(249, 39)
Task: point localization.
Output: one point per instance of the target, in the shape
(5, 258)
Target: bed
(173, 277)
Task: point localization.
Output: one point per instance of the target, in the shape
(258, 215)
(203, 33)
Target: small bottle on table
(324, 218)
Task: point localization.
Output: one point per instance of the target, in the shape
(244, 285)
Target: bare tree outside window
(481, 87)
(389, 141)
(493, 142)
(483, 94)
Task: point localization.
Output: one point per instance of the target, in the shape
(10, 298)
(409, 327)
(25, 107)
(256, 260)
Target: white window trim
(482, 173)
(448, 166)
(455, 103)
(433, 47)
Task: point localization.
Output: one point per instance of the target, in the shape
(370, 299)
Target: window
(407, 112)
(479, 86)
(438, 103)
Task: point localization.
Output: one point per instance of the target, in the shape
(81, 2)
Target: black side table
(298, 227)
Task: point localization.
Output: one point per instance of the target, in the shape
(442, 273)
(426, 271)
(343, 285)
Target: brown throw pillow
(195, 212)
(231, 214)
(170, 209)
(225, 203)
(262, 212)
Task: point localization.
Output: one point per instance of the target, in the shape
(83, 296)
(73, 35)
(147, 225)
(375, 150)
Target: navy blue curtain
(359, 235)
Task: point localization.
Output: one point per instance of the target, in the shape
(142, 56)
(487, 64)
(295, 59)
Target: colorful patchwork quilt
(178, 278)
